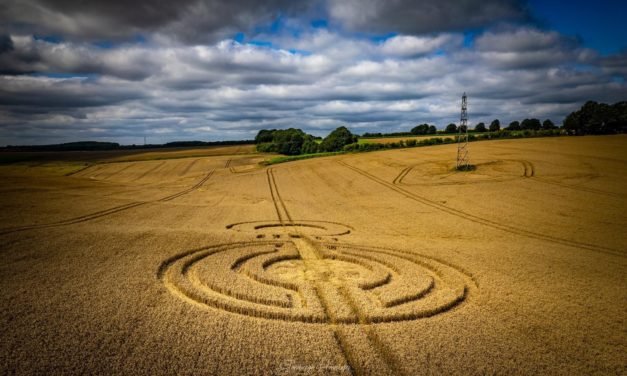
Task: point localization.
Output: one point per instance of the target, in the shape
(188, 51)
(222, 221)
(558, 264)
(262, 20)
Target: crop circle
(341, 284)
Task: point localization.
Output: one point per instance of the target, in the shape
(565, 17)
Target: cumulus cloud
(530, 48)
(405, 45)
(522, 40)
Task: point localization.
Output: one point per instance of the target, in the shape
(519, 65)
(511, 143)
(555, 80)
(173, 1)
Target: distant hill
(100, 146)
(70, 146)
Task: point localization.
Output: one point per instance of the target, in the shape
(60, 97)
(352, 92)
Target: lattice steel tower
(462, 138)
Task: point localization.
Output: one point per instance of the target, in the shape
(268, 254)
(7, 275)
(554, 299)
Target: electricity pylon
(462, 138)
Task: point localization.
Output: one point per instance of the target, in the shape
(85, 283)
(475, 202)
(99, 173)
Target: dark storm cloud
(6, 44)
(615, 64)
(425, 16)
(528, 48)
(29, 55)
(209, 20)
(50, 94)
(187, 20)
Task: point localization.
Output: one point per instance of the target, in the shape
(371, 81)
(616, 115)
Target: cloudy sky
(119, 70)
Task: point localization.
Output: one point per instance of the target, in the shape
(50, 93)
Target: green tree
(288, 141)
(432, 129)
(310, 146)
(598, 118)
(531, 124)
(548, 124)
(264, 135)
(495, 125)
(451, 128)
(480, 127)
(337, 139)
(617, 123)
(572, 123)
(420, 129)
(513, 126)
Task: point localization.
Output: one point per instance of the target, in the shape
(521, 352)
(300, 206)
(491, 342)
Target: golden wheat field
(382, 263)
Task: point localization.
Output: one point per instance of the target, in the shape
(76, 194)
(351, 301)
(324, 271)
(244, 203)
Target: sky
(212, 70)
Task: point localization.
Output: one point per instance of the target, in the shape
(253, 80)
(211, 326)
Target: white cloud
(407, 45)
(231, 90)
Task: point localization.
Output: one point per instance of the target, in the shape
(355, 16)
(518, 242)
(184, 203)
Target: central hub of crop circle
(315, 282)
(324, 270)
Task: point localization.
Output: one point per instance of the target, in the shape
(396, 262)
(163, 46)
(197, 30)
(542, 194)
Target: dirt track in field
(377, 263)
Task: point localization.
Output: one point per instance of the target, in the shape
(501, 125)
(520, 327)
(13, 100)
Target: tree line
(294, 141)
(592, 118)
(597, 118)
(495, 126)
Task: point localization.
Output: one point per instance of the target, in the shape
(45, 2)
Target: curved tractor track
(106, 212)
(188, 190)
(481, 220)
(528, 172)
(575, 186)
